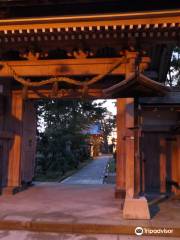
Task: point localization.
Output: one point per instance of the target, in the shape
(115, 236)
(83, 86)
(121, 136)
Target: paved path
(93, 173)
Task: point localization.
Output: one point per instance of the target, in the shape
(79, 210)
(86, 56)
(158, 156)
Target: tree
(173, 77)
(107, 122)
(62, 145)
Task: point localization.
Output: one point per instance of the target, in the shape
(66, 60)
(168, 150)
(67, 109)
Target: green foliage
(62, 146)
(111, 168)
(173, 78)
(107, 125)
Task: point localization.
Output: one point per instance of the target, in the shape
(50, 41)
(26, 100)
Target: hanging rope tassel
(95, 79)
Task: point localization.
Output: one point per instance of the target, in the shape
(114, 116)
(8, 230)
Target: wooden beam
(156, 128)
(49, 68)
(6, 135)
(62, 93)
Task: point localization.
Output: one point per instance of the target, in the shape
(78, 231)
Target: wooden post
(137, 150)
(134, 208)
(129, 146)
(178, 163)
(1, 144)
(175, 164)
(120, 149)
(14, 163)
(142, 172)
(28, 150)
(1, 165)
(163, 165)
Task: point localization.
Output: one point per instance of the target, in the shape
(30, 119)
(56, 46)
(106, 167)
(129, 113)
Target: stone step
(78, 228)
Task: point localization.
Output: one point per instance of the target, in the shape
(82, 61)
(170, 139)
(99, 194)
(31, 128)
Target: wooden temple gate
(65, 57)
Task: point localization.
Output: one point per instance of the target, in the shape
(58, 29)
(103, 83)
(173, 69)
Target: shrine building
(94, 49)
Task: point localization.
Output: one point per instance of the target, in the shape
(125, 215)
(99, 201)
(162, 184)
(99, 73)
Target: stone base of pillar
(119, 193)
(136, 208)
(10, 190)
(14, 190)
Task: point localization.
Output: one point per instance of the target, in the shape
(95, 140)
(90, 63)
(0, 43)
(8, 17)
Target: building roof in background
(94, 129)
(26, 8)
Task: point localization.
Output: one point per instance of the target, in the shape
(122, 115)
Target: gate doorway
(73, 134)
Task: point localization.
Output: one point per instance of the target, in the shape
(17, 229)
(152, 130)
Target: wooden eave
(136, 86)
(137, 20)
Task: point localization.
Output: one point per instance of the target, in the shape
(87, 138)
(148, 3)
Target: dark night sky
(28, 8)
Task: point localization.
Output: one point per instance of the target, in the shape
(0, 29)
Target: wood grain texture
(121, 154)
(28, 150)
(130, 148)
(14, 163)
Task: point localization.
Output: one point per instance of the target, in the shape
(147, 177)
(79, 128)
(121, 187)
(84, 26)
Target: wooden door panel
(151, 152)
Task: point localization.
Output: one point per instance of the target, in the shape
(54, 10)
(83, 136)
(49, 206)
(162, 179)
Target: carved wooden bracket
(80, 54)
(33, 56)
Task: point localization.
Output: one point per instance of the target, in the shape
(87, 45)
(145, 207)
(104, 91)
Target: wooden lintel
(62, 93)
(79, 67)
(6, 135)
(155, 128)
(66, 67)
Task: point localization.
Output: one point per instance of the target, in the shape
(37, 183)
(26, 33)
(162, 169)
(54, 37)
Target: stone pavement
(93, 173)
(24, 235)
(47, 211)
(85, 209)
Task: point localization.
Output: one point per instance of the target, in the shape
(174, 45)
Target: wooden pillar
(142, 181)
(128, 133)
(6, 135)
(120, 149)
(134, 207)
(1, 144)
(14, 161)
(178, 163)
(175, 165)
(28, 150)
(1, 165)
(163, 158)
(137, 150)
(130, 147)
